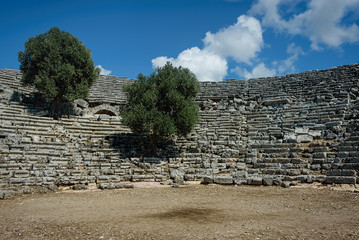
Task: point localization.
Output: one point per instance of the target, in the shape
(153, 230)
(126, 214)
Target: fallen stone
(285, 184)
(267, 181)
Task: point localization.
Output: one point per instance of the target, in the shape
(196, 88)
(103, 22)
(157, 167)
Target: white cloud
(258, 71)
(204, 64)
(321, 22)
(288, 64)
(103, 71)
(241, 41)
(278, 67)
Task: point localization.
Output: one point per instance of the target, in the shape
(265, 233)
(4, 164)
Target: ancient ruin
(297, 128)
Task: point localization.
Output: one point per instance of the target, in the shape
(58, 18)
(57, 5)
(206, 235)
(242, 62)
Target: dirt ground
(192, 212)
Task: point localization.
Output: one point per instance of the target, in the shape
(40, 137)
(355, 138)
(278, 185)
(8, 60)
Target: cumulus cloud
(258, 71)
(321, 22)
(241, 41)
(288, 64)
(206, 65)
(103, 71)
(278, 67)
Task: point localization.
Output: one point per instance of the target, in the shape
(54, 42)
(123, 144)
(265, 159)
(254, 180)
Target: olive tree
(58, 65)
(163, 104)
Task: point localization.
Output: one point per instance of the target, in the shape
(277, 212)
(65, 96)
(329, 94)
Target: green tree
(162, 104)
(58, 65)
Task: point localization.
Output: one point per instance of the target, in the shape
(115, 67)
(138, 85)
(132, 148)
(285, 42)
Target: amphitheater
(298, 128)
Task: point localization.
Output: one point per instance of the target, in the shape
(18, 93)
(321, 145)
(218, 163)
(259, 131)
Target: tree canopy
(163, 104)
(58, 65)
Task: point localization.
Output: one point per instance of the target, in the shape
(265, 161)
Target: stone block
(207, 179)
(108, 178)
(176, 173)
(342, 172)
(285, 184)
(304, 138)
(21, 174)
(18, 181)
(4, 194)
(290, 137)
(5, 174)
(340, 180)
(267, 181)
(221, 165)
(255, 180)
(319, 155)
(240, 177)
(225, 180)
(189, 177)
(178, 180)
(277, 181)
(81, 103)
(80, 187)
(315, 133)
(301, 130)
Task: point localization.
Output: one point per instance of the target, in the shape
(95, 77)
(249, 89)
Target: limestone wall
(281, 130)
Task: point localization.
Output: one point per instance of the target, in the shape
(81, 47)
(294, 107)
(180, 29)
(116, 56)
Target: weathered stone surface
(299, 127)
(80, 187)
(225, 180)
(340, 179)
(111, 185)
(207, 179)
(267, 181)
(304, 138)
(255, 180)
(81, 103)
(240, 177)
(285, 184)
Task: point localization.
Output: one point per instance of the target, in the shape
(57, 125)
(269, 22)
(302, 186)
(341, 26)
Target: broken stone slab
(81, 103)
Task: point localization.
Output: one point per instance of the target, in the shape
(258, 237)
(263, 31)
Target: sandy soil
(193, 212)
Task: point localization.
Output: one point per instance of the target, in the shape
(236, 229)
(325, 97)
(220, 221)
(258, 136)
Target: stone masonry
(297, 128)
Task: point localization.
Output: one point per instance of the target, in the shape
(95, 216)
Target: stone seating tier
(273, 131)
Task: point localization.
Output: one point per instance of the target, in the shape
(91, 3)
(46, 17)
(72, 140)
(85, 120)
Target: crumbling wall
(280, 130)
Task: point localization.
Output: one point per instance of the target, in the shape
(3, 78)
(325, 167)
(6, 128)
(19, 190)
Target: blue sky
(216, 39)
